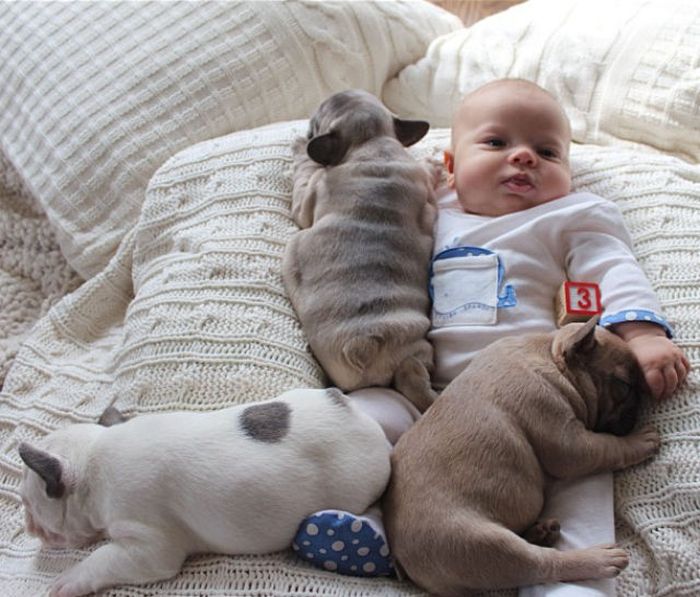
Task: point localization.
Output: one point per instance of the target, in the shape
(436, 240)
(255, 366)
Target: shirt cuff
(637, 315)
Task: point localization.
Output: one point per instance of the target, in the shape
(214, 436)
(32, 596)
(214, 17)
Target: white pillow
(625, 71)
(94, 96)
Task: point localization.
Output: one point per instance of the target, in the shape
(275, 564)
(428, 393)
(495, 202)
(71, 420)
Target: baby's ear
(328, 149)
(409, 132)
(48, 467)
(448, 159)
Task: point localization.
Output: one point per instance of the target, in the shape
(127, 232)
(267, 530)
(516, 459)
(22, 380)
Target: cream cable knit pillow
(626, 71)
(94, 96)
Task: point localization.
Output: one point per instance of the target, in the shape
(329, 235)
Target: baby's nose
(523, 155)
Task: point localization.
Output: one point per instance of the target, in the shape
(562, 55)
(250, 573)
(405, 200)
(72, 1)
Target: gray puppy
(468, 478)
(357, 272)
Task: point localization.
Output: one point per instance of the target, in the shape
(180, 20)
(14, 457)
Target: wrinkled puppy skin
(528, 407)
(357, 271)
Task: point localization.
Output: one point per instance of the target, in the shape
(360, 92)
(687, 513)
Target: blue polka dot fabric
(341, 542)
(636, 315)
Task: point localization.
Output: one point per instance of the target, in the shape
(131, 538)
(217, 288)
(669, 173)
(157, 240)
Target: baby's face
(510, 150)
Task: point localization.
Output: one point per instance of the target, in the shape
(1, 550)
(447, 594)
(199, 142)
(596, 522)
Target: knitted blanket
(34, 275)
(189, 311)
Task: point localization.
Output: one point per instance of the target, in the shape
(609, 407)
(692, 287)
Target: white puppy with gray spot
(163, 486)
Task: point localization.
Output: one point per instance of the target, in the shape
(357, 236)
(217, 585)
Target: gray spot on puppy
(337, 397)
(267, 422)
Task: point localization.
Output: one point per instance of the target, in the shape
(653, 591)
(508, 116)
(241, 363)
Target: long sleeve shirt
(494, 277)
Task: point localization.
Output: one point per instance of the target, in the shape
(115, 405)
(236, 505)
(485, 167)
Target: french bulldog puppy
(163, 486)
(468, 479)
(357, 272)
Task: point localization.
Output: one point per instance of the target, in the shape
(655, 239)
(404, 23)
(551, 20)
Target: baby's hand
(436, 170)
(664, 365)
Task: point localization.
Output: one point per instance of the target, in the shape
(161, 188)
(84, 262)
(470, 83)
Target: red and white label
(582, 298)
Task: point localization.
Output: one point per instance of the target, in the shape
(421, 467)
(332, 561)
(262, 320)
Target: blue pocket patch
(466, 287)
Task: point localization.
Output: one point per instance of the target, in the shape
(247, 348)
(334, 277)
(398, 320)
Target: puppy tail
(412, 379)
(360, 352)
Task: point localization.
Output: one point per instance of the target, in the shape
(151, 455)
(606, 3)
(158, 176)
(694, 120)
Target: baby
(508, 233)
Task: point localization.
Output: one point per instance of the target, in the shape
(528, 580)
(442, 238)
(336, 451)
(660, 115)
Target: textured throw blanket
(187, 310)
(33, 272)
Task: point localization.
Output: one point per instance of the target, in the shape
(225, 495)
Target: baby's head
(510, 148)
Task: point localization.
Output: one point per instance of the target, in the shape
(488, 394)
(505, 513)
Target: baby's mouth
(520, 183)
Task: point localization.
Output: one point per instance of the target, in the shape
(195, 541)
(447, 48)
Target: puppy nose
(523, 156)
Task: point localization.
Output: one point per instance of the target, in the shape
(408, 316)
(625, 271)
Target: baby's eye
(548, 153)
(495, 142)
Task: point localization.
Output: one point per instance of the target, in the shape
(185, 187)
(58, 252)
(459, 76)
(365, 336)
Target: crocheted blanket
(183, 307)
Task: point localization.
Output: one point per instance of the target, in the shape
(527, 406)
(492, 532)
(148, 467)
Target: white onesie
(494, 277)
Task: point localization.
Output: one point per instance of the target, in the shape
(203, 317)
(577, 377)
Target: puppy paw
(645, 442)
(602, 561)
(64, 587)
(544, 533)
(299, 145)
(613, 560)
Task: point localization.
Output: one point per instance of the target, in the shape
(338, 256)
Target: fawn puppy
(467, 483)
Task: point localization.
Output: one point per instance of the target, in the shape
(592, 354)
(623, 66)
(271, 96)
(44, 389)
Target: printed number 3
(584, 298)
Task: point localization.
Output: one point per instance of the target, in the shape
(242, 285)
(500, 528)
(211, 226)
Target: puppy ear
(409, 132)
(583, 341)
(111, 416)
(48, 467)
(327, 149)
